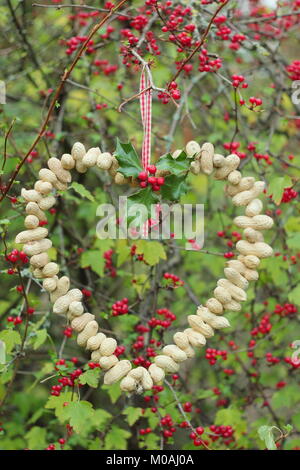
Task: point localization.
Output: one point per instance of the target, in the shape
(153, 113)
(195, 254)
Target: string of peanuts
(228, 294)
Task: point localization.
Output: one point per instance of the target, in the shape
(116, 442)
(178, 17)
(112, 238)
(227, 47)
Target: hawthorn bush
(223, 72)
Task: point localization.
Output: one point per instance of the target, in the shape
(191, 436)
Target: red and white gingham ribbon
(146, 113)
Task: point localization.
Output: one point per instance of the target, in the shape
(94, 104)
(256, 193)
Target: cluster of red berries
(139, 22)
(120, 350)
(144, 431)
(141, 361)
(238, 80)
(145, 179)
(233, 148)
(107, 255)
(120, 307)
(74, 42)
(169, 317)
(152, 46)
(255, 101)
(105, 67)
(288, 195)
(68, 380)
(195, 437)
(168, 426)
(93, 365)
(139, 257)
(132, 39)
(68, 332)
(285, 310)
(263, 157)
(272, 359)
(206, 64)
(174, 90)
(34, 153)
(294, 70)
(15, 320)
(212, 355)
(82, 16)
(17, 258)
(225, 432)
(264, 326)
(293, 361)
(175, 280)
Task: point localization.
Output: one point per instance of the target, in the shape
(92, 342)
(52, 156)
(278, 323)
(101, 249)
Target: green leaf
(277, 186)
(94, 260)
(235, 417)
(286, 397)
(2, 352)
(79, 415)
(294, 295)
(40, 338)
(90, 378)
(113, 391)
(174, 187)
(58, 404)
(147, 198)
(133, 414)
(101, 418)
(11, 338)
(205, 394)
(80, 189)
(175, 166)
(116, 438)
(152, 251)
(123, 252)
(36, 438)
(128, 159)
(266, 435)
(294, 241)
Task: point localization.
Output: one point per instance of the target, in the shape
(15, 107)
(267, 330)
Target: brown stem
(201, 42)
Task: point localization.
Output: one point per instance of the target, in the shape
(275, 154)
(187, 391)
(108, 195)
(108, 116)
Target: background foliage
(253, 387)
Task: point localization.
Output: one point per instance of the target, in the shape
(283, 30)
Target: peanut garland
(229, 293)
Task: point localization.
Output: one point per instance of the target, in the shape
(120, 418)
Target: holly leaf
(94, 260)
(175, 166)
(173, 187)
(128, 159)
(90, 378)
(277, 186)
(152, 251)
(266, 435)
(116, 438)
(82, 191)
(147, 198)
